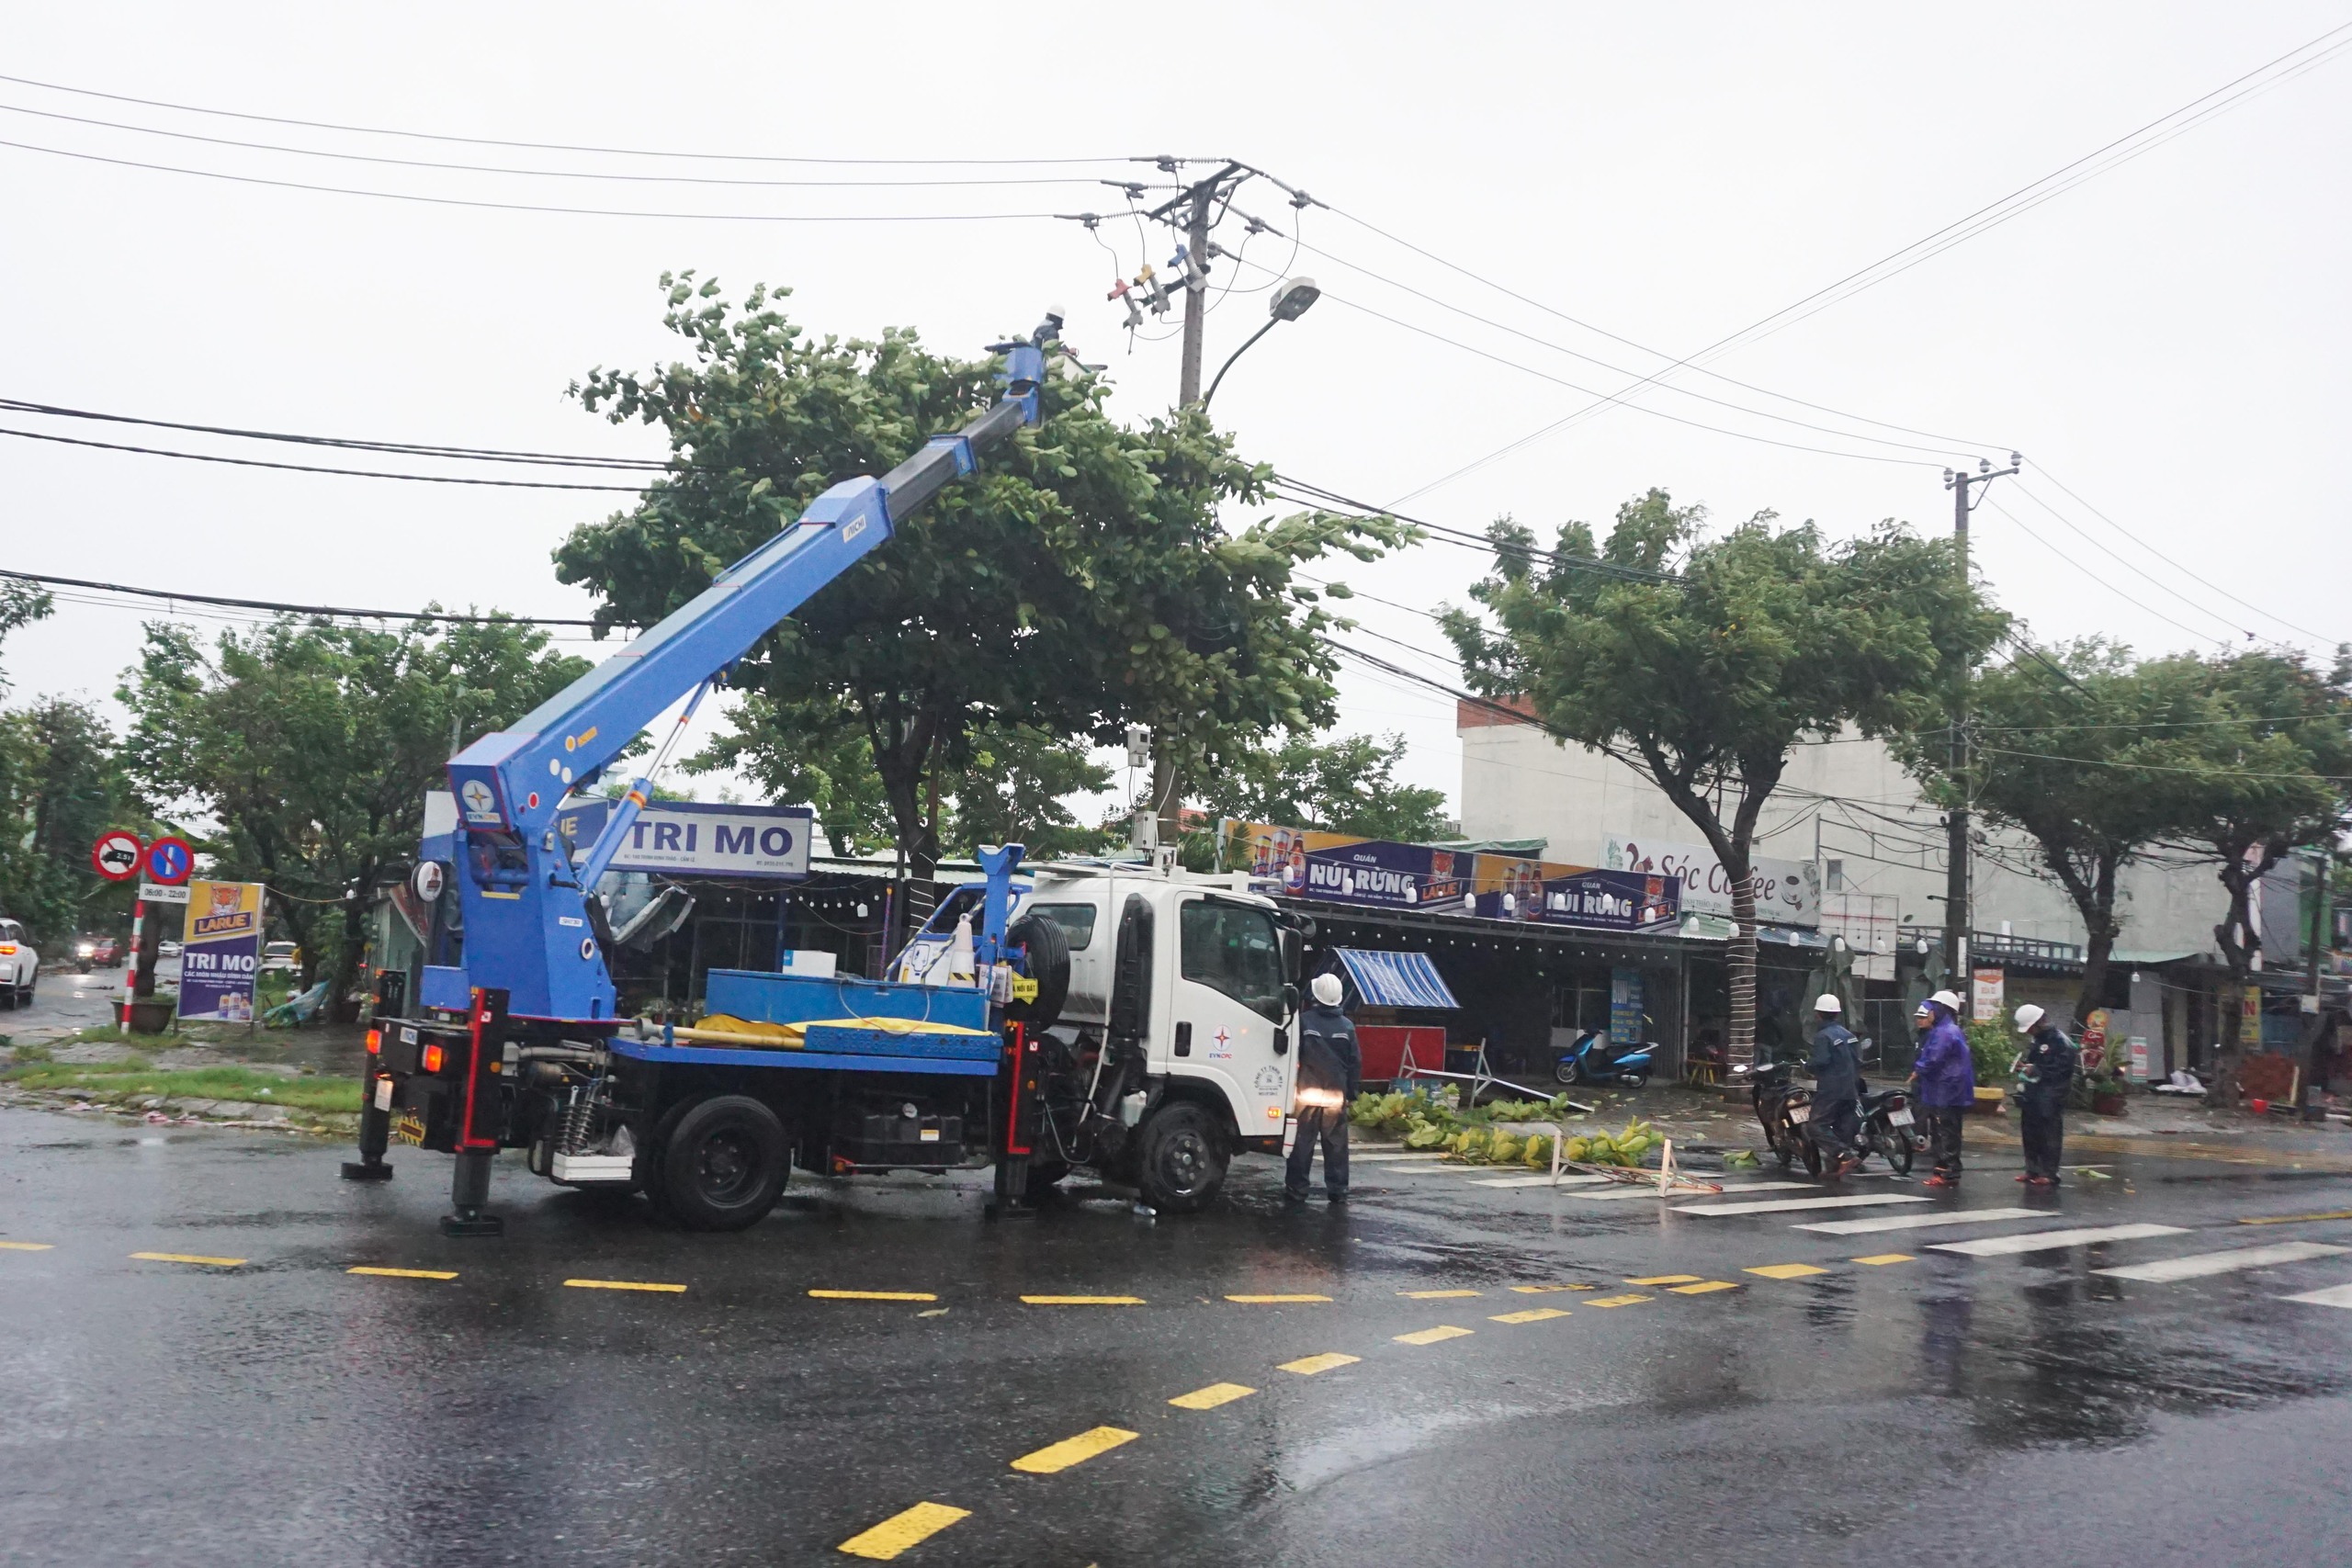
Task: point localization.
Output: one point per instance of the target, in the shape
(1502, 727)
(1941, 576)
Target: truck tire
(1049, 947)
(651, 1148)
(1183, 1158)
(724, 1164)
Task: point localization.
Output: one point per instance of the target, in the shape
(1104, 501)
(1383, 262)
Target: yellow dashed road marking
(1887, 1258)
(1616, 1300)
(626, 1285)
(406, 1273)
(1434, 1295)
(874, 1295)
(1307, 1366)
(1668, 1279)
(1209, 1398)
(2256, 1220)
(190, 1257)
(1083, 1300)
(1431, 1336)
(1706, 1287)
(1274, 1301)
(1056, 1457)
(1536, 1314)
(1785, 1270)
(24, 1246)
(899, 1531)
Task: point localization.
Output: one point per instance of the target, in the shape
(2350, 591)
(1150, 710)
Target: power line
(404, 448)
(1318, 496)
(312, 468)
(2103, 581)
(486, 205)
(277, 607)
(1984, 217)
(561, 146)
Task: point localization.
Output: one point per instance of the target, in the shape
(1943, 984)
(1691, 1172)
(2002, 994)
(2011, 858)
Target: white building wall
(1885, 838)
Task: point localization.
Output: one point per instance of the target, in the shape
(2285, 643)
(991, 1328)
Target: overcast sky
(2169, 341)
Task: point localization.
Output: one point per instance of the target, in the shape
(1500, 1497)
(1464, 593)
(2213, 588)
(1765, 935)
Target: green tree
(1347, 785)
(2059, 751)
(1081, 581)
(310, 746)
(63, 760)
(1701, 660)
(2266, 771)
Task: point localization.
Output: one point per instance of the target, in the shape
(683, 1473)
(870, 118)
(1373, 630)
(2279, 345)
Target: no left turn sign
(116, 856)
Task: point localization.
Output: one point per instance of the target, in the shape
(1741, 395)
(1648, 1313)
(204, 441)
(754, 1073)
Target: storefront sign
(1988, 993)
(1788, 893)
(1340, 868)
(1625, 1007)
(2136, 1069)
(221, 951)
(1512, 889)
(684, 837)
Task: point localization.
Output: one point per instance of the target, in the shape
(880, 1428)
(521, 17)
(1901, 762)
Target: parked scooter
(1781, 1109)
(1593, 1060)
(1890, 1129)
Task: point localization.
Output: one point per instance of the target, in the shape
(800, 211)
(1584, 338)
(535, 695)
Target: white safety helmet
(1827, 1002)
(2027, 1016)
(1326, 990)
(1950, 999)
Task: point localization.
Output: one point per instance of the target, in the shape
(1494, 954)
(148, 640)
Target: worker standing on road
(1944, 1077)
(1837, 1070)
(2045, 1073)
(1330, 1073)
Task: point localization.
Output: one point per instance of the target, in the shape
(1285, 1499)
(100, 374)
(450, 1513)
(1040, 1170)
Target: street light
(1292, 296)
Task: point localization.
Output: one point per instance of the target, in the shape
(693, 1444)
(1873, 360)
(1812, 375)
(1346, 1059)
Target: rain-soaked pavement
(1852, 1398)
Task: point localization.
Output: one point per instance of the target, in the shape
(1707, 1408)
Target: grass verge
(134, 1080)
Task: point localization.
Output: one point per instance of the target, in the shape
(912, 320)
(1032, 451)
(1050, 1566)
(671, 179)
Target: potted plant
(2100, 1086)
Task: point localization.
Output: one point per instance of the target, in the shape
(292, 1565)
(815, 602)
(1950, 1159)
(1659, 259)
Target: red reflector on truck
(433, 1058)
(374, 1042)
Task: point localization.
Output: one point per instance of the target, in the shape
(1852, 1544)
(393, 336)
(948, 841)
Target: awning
(1395, 979)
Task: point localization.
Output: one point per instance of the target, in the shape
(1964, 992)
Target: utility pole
(1956, 851)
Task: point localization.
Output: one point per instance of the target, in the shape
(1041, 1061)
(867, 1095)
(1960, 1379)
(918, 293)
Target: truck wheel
(725, 1164)
(1183, 1159)
(1049, 947)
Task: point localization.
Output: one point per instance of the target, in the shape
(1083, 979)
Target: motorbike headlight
(84, 949)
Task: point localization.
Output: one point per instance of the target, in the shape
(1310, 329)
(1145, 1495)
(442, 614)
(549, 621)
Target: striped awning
(1395, 979)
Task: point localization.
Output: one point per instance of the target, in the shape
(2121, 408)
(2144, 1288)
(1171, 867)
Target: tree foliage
(310, 747)
(1081, 581)
(1347, 785)
(1701, 660)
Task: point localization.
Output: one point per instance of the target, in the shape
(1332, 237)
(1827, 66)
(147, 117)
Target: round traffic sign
(116, 856)
(170, 861)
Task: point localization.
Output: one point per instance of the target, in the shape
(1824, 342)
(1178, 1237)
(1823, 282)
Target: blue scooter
(1593, 1060)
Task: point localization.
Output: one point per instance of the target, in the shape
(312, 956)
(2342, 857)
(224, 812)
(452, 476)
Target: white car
(19, 966)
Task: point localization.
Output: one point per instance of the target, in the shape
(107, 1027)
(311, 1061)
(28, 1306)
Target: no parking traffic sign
(116, 856)
(170, 861)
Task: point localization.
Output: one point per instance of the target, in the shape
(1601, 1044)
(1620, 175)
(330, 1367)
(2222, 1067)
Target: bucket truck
(1127, 1017)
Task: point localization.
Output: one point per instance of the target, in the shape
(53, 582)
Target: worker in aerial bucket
(1331, 1072)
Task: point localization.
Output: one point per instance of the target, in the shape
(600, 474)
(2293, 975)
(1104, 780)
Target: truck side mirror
(1293, 960)
(1290, 1003)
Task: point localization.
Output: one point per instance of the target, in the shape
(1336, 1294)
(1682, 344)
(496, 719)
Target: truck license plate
(383, 1094)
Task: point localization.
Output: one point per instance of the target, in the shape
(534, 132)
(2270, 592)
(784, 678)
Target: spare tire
(1049, 965)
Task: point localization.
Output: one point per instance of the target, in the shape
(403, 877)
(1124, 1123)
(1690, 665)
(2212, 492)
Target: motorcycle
(1593, 1060)
(85, 953)
(1782, 1110)
(1890, 1129)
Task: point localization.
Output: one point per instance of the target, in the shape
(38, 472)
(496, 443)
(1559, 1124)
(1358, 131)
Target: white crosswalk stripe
(1920, 1222)
(2333, 1297)
(1791, 1205)
(2052, 1241)
(2199, 1264)
(1649, 1189)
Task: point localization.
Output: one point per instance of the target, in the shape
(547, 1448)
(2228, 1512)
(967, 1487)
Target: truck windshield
(1233, 950)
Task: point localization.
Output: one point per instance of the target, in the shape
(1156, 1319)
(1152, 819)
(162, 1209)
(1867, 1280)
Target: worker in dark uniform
(2045, 1073)
(1837, 1069)
(1330, 1074)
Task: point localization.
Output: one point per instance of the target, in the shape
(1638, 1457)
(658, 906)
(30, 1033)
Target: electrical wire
(312, 468)
(1954, 232)
(1317, 495)
(561, 146)
(2102, 581)
(485, 205)
(276, 607)
(403, 448)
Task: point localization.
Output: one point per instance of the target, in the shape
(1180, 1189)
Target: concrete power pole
(1956, 852)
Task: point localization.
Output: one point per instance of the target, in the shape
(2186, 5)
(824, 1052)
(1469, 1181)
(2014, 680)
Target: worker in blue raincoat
(1330, 1074)
(1944, 1078)
(1837, 1069)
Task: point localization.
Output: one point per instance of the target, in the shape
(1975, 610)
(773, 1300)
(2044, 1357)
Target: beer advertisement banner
(221, 951)
(1511, 889)
(1341, 868)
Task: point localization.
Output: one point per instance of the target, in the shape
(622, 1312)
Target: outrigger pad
(480, 1225)
(367, 1170)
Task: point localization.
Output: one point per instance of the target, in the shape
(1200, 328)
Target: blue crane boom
(527, 927)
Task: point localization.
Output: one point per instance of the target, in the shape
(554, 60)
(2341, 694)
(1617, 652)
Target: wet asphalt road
(1943, 1408)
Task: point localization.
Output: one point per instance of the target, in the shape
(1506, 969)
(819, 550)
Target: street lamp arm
(1236, 354)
